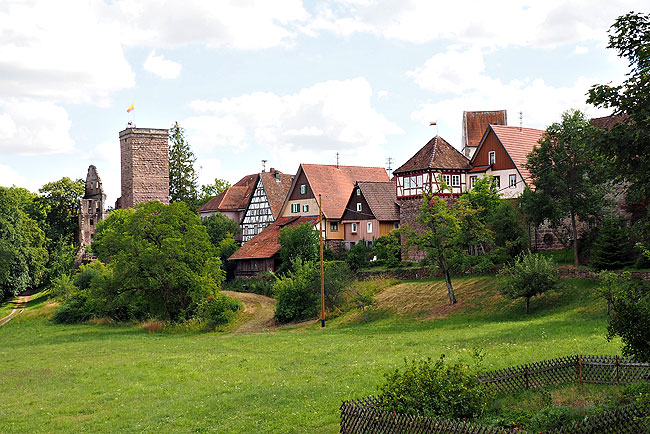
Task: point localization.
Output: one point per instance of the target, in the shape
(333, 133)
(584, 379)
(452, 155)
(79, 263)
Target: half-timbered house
(266, 202)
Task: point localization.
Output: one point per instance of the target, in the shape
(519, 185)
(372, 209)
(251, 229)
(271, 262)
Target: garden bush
(434, 389)
(218, 310)
(388, 249)
(358, 256)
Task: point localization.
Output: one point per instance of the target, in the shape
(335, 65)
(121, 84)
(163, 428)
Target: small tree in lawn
(529, 276)
(440, 236)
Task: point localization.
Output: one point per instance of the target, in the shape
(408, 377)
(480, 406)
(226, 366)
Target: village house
(371, 212)
(474, 125)
(502, 153)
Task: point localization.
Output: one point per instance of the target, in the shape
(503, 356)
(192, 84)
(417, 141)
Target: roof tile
(519, 142)
(436, 154)
(381, 198)
(475, 123)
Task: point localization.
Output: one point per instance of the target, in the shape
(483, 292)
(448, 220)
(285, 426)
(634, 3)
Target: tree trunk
(527, 304)
(445, 270)
(574, 230)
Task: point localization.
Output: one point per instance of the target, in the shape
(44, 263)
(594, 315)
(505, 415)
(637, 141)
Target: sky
(287, 81)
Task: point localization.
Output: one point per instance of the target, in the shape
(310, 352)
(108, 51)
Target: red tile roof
(475, 124)
(381, 197)
(335, 183)
(436, 154)
(234, 198)
(518, 142)
(479, 169)
(265, 244)
(608, 122)
(276, 188)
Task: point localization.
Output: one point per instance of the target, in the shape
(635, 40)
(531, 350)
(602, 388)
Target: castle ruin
(91, 208)
(145, 166)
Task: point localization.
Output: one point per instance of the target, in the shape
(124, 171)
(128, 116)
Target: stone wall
(145, 166)
(581, 273)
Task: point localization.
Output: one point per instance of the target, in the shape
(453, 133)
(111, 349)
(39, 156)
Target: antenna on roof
(264, 165)
(337, 160)
(521, 122)
(432, 123)
(389, 169)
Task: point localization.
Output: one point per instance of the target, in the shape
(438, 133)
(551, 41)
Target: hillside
(107, 378)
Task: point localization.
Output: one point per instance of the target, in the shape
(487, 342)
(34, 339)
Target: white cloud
(254, 24)
(453, 71)
(581, 50)
(33, 127)
(162, 67)
(9, 177)
(320, 120)
(480, 23)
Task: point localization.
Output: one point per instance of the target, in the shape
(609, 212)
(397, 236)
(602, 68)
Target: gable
(491, 143)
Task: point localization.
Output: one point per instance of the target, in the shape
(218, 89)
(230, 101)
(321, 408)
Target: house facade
(333, 185)
(266, 202)
(502, 153)
(371, 212)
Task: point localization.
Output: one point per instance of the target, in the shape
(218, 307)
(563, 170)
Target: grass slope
(107, 378)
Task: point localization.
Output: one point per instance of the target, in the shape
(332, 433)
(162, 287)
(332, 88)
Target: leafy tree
(484, 196)
(565, 171)
(162, 259)
(23, 254)
(529, 276)
(440, 237)
(389, 249)
(219, 227)
(183, 180)
(225, 249)
(209, 191)
(506, 222)
(357, 256)
(612, 247)
(474, 234)
(630, 301)
(298, 243)
(626, 143)
(60, 203)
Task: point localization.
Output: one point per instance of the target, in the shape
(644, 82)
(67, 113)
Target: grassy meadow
(119, 378)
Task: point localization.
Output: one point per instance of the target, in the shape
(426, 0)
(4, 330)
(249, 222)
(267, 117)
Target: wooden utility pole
(322, 273)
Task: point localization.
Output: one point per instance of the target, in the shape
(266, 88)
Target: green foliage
(162, 260)
(611, 249)
(299, 244)
(59, 201)
(626, 143)
(183, 180)
(506, 223)
(211, 190)
(568, 176)
(358, 256)
(529, 276)
(219, 227)
(74, 310)
(262, 286)
(218, 310)
(297, 294)
(388, 249)
(434, 389)
(61, 261)
(62, 286)
(23, 254)
(630, 301)
(552, 417)
(225, 249)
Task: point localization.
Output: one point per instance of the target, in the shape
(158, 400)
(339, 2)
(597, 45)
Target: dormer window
(492, 157)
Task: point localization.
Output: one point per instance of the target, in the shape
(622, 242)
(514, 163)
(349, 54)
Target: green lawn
(109, 378)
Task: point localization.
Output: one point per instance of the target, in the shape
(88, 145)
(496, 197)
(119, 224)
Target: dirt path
(257, 314)
(19, 307)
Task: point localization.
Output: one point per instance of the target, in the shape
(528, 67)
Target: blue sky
(287, 81)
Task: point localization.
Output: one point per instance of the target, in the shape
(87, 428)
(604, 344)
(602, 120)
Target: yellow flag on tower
(130, 109)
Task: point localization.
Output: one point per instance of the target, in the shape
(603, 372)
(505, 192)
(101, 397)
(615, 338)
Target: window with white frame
(472, 181)
(455, 180)
(369, 227)
(303, 189)
(492, 157)
(447, 179)
(295, 207)
(513, 181)
(497, 181)
(305, 208)
(358, 192)
(359, 207)
(353, 228)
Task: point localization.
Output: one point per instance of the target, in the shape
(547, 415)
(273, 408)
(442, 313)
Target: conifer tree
(183, 180)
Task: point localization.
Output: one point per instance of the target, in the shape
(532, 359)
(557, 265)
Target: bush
(358, 256)
(74, 310)
(530, 275)
(62, 286)
(262, 286)
(552, 417)
(388, 249)
(434, 389)
(612, 248)
(218, 310)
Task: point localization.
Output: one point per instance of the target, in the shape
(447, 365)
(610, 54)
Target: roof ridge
(433, 151)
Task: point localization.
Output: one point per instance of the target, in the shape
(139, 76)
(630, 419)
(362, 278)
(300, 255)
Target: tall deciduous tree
(209, 191)
(183, 180)
(566, 173)
(626, 142)
(60, 202)
(440, 237)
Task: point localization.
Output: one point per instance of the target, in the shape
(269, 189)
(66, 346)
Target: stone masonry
(145, 166)
(91, 208)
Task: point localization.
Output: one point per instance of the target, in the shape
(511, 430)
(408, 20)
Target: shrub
(218, 310)
(388, 249)
(74, 310)
(358, 256)
(530, 275)
(434, 389)
(612, 248)
(62, 286)
(552, 417)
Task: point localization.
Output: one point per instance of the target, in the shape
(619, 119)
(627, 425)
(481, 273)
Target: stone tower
(91, 208)
(145, 166)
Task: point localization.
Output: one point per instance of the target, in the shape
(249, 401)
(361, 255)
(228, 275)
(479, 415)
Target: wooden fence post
(580, 370)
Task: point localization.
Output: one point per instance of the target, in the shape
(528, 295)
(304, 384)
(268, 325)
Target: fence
(364, 416)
